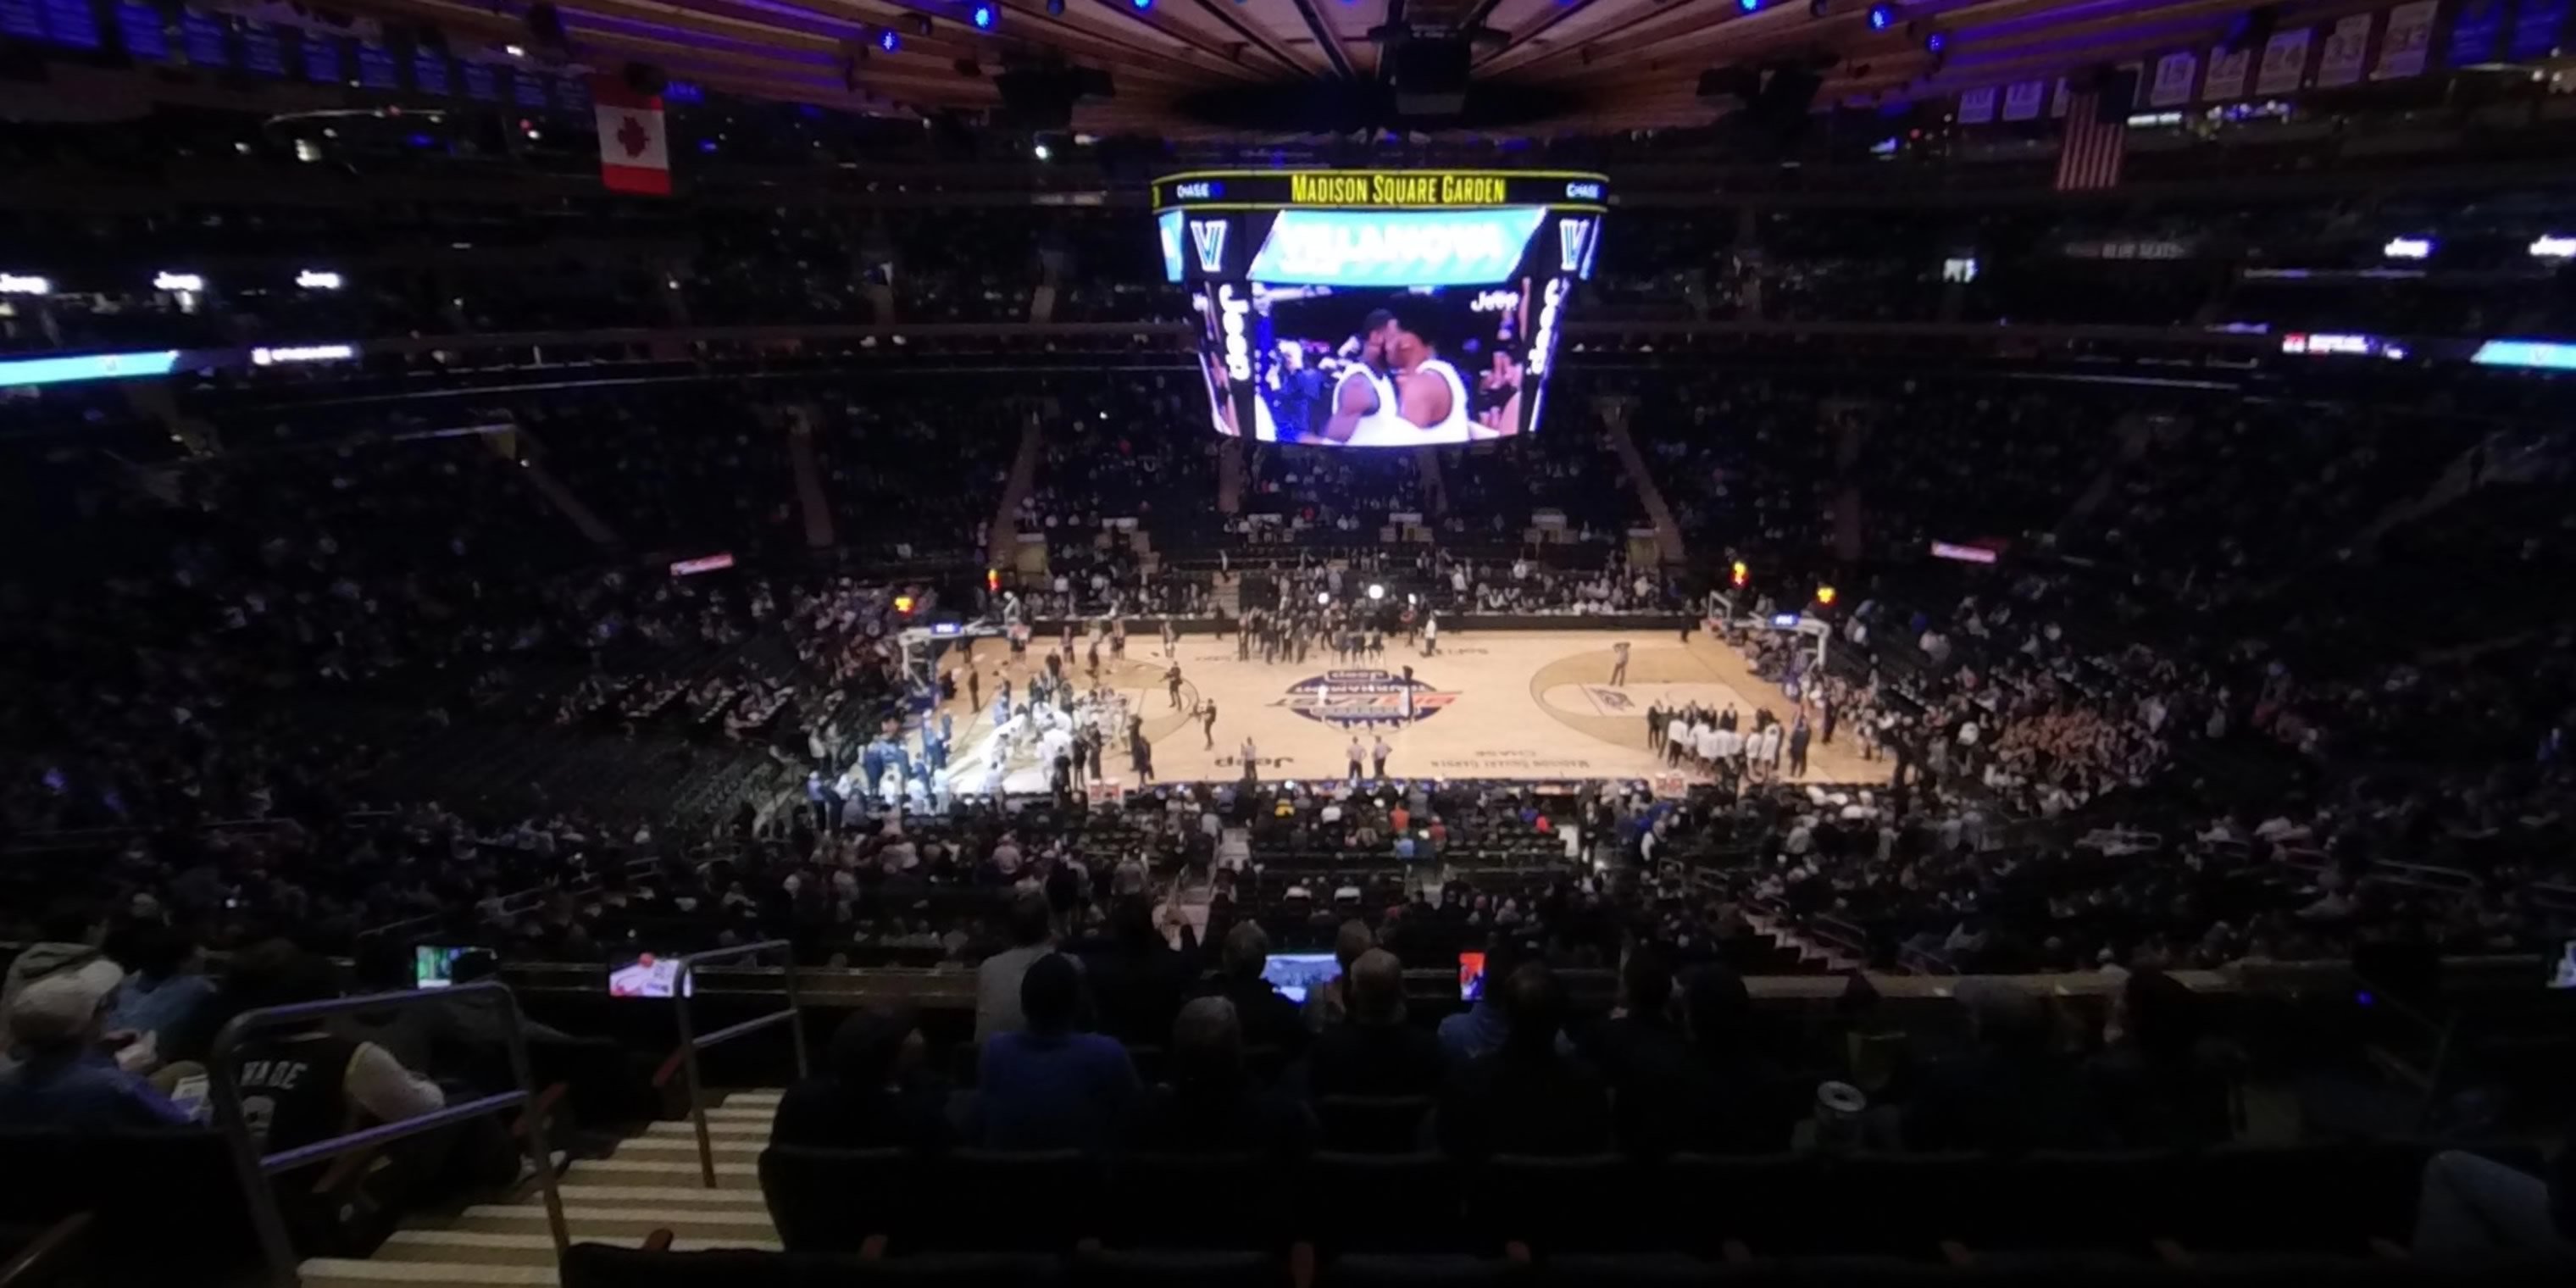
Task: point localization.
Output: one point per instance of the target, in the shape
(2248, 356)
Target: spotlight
(1045, 153)
(1937, 42)
(888, 41)
(1377, 592)
(1882, 17)
(982, 16)
(1748, 5)
(1142, 5)
(1321, 596)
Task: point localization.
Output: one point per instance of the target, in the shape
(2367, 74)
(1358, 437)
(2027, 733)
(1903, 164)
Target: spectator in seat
(1210, 1104)
(1269, 1020)
(997, 980)
(1644, 1055)
(1325, 1006)
(1137, 980)
(1741, 1101)
(463, 1041)
(2472, 1207)
(1527, 1097)
(873, 1094)
(66, 1080)
(2164, 1080)
(167, 1001)
(1480, 1029)
(303, 1085)
(68, 945)
(1046, 1086)
(1372, 1051)
(2012, 1092)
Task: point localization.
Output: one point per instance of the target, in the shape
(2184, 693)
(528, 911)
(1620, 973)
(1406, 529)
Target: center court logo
(1357, 698)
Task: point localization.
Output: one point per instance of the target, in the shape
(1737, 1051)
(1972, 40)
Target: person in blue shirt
(1046, 1086)
(66, 1081)
(168, 998)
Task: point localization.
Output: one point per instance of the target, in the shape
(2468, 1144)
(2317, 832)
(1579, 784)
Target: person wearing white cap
(67, 946)
(65, 1080)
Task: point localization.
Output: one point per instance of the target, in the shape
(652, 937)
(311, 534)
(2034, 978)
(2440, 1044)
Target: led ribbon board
(1382, 190)
(1394, 248)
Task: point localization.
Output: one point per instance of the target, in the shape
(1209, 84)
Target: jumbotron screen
(1359, 308)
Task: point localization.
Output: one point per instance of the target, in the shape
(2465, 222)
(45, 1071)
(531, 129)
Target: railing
(512, 905)
(256, 1168)
(691, 1043)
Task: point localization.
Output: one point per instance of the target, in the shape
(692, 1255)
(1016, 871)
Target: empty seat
(831, 1200)
(1700, 1202)
(1588, 1202)
(1010, 1201)
(1378, 1270)
(1169, 1268)
(596, 1265)
(1229, 1201)
(1374, 1124)
(599, 1265)
(1380, 1203)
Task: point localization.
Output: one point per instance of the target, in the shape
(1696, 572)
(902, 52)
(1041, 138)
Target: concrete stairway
(1641, 479)
(1003, 537)
(811, 505)
(548, 486)
(650, 1183)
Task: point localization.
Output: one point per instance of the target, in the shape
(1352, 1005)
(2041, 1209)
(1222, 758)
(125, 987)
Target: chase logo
(1355, 699)
(1201, 190)
(1583, 192)
(1573, 242)
(1208, 235)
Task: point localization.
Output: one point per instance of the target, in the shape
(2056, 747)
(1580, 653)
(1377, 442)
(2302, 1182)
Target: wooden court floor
(1503, 704)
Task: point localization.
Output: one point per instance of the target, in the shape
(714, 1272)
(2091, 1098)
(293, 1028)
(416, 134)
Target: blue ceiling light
(1748, 5)
(888, 41)
(1936, 42)
(1882, 17)
(1142, 5)
(982, 16)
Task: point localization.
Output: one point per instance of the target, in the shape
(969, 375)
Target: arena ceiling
(1188, 67)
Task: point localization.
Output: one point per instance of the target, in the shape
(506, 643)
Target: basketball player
(1363, 398)
(1428, 393)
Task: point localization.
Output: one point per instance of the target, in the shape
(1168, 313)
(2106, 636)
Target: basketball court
(1502, 704)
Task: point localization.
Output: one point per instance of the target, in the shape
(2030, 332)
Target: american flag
(2089, 153)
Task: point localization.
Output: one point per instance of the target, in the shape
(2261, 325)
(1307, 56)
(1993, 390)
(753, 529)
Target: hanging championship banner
(2174, 76)
(2408, 40)
(2227, 70)
(2285, 62)
(2346, 45)
(1977, 106)
(2022, 102)
(2534, 33)
(2475, 27)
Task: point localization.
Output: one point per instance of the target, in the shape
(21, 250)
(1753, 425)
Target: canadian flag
(634, 149)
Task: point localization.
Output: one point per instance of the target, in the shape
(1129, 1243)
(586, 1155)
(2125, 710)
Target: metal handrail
(255, 1168)
(691, 1043)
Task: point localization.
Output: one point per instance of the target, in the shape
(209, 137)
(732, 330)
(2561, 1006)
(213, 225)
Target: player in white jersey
(1429, 395)
(1363, 398)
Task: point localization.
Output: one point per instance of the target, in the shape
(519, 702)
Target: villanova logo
(1573, 245)
(1356, 699)
(1209, 236)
